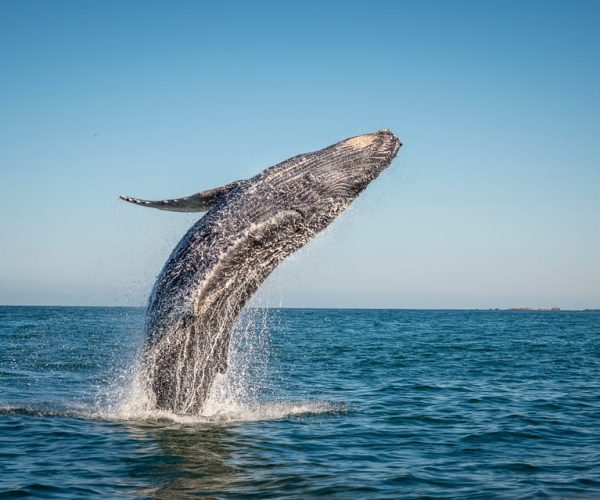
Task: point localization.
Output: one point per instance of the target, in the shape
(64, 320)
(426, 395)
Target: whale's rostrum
(250, 226)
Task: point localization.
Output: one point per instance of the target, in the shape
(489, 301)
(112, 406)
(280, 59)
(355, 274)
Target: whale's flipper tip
(129, 198)
(137, 201)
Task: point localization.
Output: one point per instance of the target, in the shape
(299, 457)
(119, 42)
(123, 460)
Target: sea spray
(241, 387)
(242, 394)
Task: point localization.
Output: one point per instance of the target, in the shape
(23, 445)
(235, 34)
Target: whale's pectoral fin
(199, 202)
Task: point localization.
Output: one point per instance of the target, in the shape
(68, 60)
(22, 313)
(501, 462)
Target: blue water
(346, 403)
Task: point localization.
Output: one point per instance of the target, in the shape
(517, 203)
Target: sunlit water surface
(346, 403)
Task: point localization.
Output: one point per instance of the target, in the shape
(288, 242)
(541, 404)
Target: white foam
(236, 396)
(234, 413)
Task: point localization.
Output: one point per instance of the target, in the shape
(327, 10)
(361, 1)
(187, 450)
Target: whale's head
(320, 184)
(346, 168)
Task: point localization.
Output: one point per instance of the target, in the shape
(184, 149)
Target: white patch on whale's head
(360, 141)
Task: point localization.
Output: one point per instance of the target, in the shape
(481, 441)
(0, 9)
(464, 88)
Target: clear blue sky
(494, 199)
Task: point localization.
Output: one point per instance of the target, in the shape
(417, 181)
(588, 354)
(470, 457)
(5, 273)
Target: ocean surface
(318, 403)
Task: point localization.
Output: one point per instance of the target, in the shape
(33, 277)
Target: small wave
(38, 412)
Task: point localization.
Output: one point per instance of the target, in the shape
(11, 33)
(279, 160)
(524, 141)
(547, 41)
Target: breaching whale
(250, 226)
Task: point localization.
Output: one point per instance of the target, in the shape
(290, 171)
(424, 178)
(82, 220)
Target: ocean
(316, 403)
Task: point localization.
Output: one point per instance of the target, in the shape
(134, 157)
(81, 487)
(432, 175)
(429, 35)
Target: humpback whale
(249, 227)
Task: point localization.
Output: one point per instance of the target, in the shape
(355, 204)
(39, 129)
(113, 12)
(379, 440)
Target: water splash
(242, 394)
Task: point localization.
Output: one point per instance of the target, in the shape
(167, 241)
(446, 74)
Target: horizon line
(500, 309)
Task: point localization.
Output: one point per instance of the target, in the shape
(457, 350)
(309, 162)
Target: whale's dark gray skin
(250, 227)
